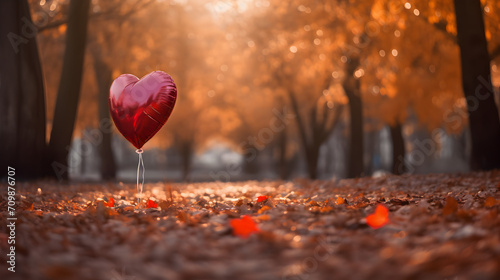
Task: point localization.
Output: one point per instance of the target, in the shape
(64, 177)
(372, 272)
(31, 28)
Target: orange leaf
(264, 208)
(110, 203)
(326, 209)
(152, 204)
(244, 227)
(378, 219)
(262, 198)
(450, 207)
(339, 201)
(490, 202)
(264, 217)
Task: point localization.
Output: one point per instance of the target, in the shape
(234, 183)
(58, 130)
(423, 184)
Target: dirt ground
(441, 227)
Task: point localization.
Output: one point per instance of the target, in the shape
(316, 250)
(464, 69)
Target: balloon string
(140, 186)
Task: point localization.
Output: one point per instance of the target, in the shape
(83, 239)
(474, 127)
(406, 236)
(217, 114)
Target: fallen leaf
(264, 217)
(164, 204)
(152, 204)
(339, 201)
(244, 227)
(490, 202)
(30, 206)
(128, 208)
(262, 198)
(378, 219)
(326, 209)
(313, 203)
(183, 216)
(450, 207)
(110, 203)
(239, 203)
(263, 209)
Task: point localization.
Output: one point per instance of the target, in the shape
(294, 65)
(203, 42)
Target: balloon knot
(139, 151)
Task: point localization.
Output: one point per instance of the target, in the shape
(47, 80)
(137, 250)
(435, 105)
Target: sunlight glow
(359, 73)
(224, 6)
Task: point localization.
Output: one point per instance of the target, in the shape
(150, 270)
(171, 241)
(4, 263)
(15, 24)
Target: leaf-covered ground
(441, 227)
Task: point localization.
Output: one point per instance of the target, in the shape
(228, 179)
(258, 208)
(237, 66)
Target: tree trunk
(186, 150)
(69, 88)
(283, 166)
(22, 99)
(352, 90)
(398, 149)
(104, 76)
(312, 162)
(477, 86)
(307, 143)
(355, 165)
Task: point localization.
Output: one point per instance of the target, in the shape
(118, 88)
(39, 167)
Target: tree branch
(110, 14)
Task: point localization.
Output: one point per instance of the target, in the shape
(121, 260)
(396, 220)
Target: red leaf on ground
(152, 204)
(110, 203)
(378, 219)
(244, 227)
(262, 198)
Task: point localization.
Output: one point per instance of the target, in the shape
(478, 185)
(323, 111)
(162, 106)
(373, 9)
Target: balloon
(139, 108)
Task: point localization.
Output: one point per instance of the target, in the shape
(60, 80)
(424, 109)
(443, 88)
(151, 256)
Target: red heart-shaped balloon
(140, 108)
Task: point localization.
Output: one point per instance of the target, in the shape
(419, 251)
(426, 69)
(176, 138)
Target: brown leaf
(239, 203)
(313, 203)
(164, 204)
(490, 202)
(450, 207)
(396, 201)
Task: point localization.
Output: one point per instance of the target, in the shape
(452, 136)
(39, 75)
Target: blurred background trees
(270, 89)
